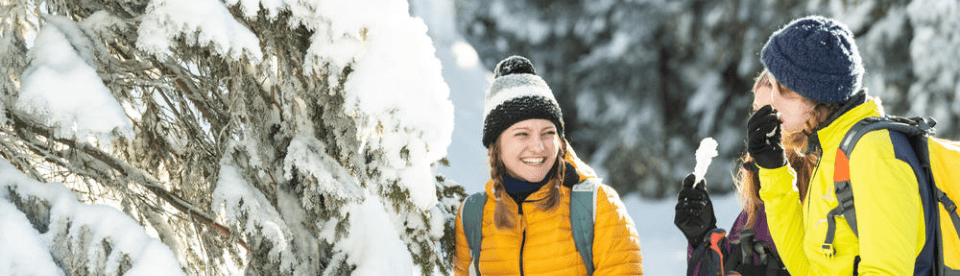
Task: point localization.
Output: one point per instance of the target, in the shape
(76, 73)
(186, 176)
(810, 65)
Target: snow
(934, 56)
(309, 155)
(705, 153)
(468, 81)
(382, 94)
(251, 7)
(537, 30)
(200, 22)
(704, 100)
(74, 231)
(62, 88)
(465, 54)
(391, 58)
(235, 198)
(373, 249)
(23, 248)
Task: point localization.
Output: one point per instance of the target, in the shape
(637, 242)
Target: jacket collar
(829, 136)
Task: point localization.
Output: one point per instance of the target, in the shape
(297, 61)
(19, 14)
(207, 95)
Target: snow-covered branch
(262, 137)
(82, 239)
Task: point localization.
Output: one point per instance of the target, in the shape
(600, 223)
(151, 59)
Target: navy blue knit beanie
(517, 94)
(816, 57)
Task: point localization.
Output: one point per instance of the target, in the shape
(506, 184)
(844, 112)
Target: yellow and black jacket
(888, 211)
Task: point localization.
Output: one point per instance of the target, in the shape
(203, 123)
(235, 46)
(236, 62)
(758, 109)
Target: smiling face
(529, 149)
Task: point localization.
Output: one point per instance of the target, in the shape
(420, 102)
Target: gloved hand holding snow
(705, 153)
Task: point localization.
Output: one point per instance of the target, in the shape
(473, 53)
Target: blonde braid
(502, 217)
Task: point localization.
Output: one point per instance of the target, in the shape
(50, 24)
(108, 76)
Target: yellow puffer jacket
(886, 200)
(542, 243)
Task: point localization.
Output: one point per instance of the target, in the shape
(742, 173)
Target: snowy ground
(662, 244)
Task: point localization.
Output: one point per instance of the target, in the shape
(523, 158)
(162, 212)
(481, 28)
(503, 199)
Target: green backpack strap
(583, 213)
(471, 216)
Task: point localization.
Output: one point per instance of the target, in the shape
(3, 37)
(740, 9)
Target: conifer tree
(268, 136)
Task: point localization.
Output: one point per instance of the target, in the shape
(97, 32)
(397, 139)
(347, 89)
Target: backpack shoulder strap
(917, 131)
(471, 216)
(950, 207)
(841, 173)
(947, 241)
(583, 213)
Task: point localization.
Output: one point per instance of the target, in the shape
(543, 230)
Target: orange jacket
(543, 243)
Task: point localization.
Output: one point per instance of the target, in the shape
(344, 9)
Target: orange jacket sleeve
(616, 244)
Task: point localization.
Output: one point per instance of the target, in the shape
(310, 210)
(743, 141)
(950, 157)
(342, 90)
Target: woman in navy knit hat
(814, 70)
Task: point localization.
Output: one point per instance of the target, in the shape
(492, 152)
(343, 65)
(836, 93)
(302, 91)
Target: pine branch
(130, 174)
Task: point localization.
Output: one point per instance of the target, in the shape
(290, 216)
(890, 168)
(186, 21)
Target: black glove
(758, 256)
(694, 211)
(763, 138)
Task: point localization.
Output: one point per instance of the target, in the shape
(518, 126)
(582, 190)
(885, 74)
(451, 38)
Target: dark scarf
(519, 190)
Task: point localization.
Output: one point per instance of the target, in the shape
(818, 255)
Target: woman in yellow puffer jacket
(526, 227)
(815, 71)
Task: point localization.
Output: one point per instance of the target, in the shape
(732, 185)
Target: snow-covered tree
(285, 137)
(641, 82)
(46, 231)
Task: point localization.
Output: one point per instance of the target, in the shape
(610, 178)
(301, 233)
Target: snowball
(705, 153)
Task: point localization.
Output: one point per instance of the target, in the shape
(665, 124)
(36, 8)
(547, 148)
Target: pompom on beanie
(517, 94)
(816, 57)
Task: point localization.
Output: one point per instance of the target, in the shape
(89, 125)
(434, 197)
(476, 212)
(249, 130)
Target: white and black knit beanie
(517, 94)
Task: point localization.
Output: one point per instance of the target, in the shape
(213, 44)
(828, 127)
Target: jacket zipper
(816, 169)
(806, 202)
(523, 241)
(521, 250)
